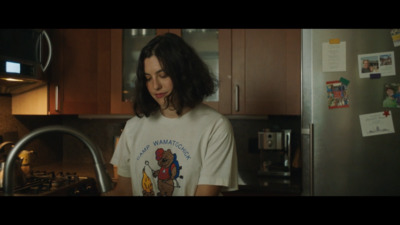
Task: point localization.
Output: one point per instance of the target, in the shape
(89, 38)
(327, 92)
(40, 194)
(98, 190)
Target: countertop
(252, 184)
(81, 169)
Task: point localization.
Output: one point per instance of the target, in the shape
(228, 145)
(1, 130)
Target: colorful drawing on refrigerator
(391, 95)
(338, 94)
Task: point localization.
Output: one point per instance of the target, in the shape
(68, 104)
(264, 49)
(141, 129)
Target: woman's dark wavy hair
(190, 76)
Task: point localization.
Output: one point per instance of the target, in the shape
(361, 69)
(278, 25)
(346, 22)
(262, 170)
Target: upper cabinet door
(126, 45)
(80, 72)
(266, 71)
(213, 46)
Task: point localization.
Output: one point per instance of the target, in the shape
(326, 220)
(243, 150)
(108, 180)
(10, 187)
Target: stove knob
(76, 191)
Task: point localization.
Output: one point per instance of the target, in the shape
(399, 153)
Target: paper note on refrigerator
(376, 123)
(334, 56)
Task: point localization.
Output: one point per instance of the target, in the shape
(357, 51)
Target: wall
(10, 127)
(13, 128)
(100, 131)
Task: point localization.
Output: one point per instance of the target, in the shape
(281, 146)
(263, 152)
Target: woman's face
(158, 83)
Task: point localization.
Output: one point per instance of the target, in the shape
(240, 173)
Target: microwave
(25, 55)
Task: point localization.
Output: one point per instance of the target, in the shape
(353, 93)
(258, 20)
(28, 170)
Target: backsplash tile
(100, 131)
(13, 128)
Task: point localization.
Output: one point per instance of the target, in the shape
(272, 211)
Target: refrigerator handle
(311, 159)
(237, 98)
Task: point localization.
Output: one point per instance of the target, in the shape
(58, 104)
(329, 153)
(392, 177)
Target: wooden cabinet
(119, 105)
(80, 72)
(121, 102)
(79, 76)
(258, 72)
(266, 71)
(219, 60)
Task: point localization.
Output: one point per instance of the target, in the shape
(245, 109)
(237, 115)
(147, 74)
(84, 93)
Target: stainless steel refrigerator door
(337, 159)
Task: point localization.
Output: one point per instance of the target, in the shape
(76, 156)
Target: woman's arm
(122, 188)
(208, 190)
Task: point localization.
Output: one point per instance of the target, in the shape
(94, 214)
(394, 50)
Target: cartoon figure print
(147, 185)
(168, 172)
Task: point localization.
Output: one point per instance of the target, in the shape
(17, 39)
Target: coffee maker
(275, 152)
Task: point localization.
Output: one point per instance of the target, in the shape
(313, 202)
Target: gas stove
(44, 183)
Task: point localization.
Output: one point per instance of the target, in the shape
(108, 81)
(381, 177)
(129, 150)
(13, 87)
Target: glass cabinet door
(205, 42)
(133, 40)
(212, 45)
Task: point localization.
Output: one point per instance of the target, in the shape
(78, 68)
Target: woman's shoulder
(135, 121)
(204, 112)
(213, 119)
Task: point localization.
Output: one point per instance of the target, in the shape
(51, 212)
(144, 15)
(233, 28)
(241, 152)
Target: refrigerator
(350, 137)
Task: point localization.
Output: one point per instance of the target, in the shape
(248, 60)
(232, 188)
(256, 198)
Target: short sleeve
(121, 156)
(220, 159)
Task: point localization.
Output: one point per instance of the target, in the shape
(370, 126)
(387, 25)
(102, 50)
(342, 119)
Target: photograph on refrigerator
(377, 63)
(391, 96)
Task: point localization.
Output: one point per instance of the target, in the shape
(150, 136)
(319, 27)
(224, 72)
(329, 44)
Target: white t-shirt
(171, 156)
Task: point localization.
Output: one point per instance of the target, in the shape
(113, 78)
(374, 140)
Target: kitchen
(91, 73)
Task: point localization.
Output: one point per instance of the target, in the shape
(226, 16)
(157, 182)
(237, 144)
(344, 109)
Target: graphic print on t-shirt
(167, 175)
(147, 185)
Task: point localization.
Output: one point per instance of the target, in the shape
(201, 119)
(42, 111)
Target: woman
(175, 145)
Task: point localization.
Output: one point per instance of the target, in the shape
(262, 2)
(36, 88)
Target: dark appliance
(275, 152)
(24, 57)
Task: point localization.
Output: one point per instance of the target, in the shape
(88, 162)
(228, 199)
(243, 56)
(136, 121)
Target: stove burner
(49, 183)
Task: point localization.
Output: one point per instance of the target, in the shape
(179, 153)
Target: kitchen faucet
(4, 144)
(104, 179)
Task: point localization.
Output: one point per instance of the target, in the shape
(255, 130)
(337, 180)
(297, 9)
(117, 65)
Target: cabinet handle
(237, 98)
(56, 99)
